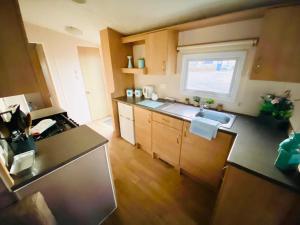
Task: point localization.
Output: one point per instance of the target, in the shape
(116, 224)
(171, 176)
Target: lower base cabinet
(142, 125)
(166, 142)
(248, 199)
(205, 159)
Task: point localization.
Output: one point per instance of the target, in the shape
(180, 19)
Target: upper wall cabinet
(161, 52)
(16, 71)
(278, 53)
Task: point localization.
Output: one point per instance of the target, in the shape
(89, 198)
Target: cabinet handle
(149, 120)
(185, 129)
(164, 66)
(258, 65)
(178, 139)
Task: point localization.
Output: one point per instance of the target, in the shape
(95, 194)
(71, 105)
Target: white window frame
(239, 56)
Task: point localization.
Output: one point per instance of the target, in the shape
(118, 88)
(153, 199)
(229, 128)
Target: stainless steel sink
(189, 112)
(225, 119)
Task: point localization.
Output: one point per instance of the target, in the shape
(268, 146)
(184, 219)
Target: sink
(225, 119)
(187, 111)
(180, 109)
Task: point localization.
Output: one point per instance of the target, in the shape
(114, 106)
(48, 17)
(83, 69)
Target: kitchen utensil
(148, 90)
(154, 96)
(141, 63)
(138, 93)
(129, 92)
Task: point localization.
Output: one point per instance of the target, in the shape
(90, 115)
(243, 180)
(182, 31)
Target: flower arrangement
(279, 107)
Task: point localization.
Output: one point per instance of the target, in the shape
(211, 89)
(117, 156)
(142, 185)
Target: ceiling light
(79, 1)
(73, 30)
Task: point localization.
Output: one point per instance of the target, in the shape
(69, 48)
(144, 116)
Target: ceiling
(125, 16)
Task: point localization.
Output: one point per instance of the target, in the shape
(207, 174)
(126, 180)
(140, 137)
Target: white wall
(63, 61)
(249, 92)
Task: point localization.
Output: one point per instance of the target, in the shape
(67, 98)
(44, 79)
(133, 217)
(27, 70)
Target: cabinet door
(142, 123)
(278, 53)
(166, 142)
(156, 52)
(161, 52)
(127, 129)
(248, 199)
(17, 74)
(202, 158)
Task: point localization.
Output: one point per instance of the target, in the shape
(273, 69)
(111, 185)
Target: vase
(129, 62)
(272, 122)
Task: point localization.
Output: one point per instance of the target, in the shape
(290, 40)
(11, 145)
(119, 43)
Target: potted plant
(209, 102)
(275, 110)
(196, 100)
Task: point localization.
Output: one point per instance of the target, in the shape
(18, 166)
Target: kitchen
(190, 150)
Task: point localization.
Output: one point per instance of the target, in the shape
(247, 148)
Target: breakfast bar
(72, 171)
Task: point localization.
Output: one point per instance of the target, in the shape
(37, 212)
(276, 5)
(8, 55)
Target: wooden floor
(151, 192)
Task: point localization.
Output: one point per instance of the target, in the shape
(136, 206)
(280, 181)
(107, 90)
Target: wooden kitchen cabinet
(204, 159)
(17, 73)
(248, 199)
(142, 124)
(278, 52)
(166, 140)
(161, 53)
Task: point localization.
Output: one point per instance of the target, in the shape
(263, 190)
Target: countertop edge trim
(30, 180)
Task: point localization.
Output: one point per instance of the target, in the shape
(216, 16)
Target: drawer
(125, 110)
(167, 120)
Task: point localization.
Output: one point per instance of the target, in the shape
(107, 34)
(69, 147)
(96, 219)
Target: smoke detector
(73, 30)
(79, 1)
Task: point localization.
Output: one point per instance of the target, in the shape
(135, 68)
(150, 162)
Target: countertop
(254, 148)
(58, 150)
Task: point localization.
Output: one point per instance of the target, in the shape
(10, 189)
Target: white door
(94, 82)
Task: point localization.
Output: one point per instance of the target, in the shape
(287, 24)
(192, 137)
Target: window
(212, 74)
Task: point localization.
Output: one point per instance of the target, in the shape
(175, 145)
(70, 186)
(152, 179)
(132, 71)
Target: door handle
(178, 139)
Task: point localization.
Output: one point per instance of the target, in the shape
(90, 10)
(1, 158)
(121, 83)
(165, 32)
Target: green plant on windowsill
(196, 100)
(276, 108)
(209, 102)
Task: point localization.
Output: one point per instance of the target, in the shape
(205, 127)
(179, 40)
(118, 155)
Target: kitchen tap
(201, 105)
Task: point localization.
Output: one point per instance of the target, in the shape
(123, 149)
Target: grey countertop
(58, 150)
(254, 148)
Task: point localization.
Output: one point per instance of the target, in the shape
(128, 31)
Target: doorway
(95, 90)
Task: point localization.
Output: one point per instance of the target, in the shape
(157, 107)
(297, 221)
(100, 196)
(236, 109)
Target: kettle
(147, 91)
